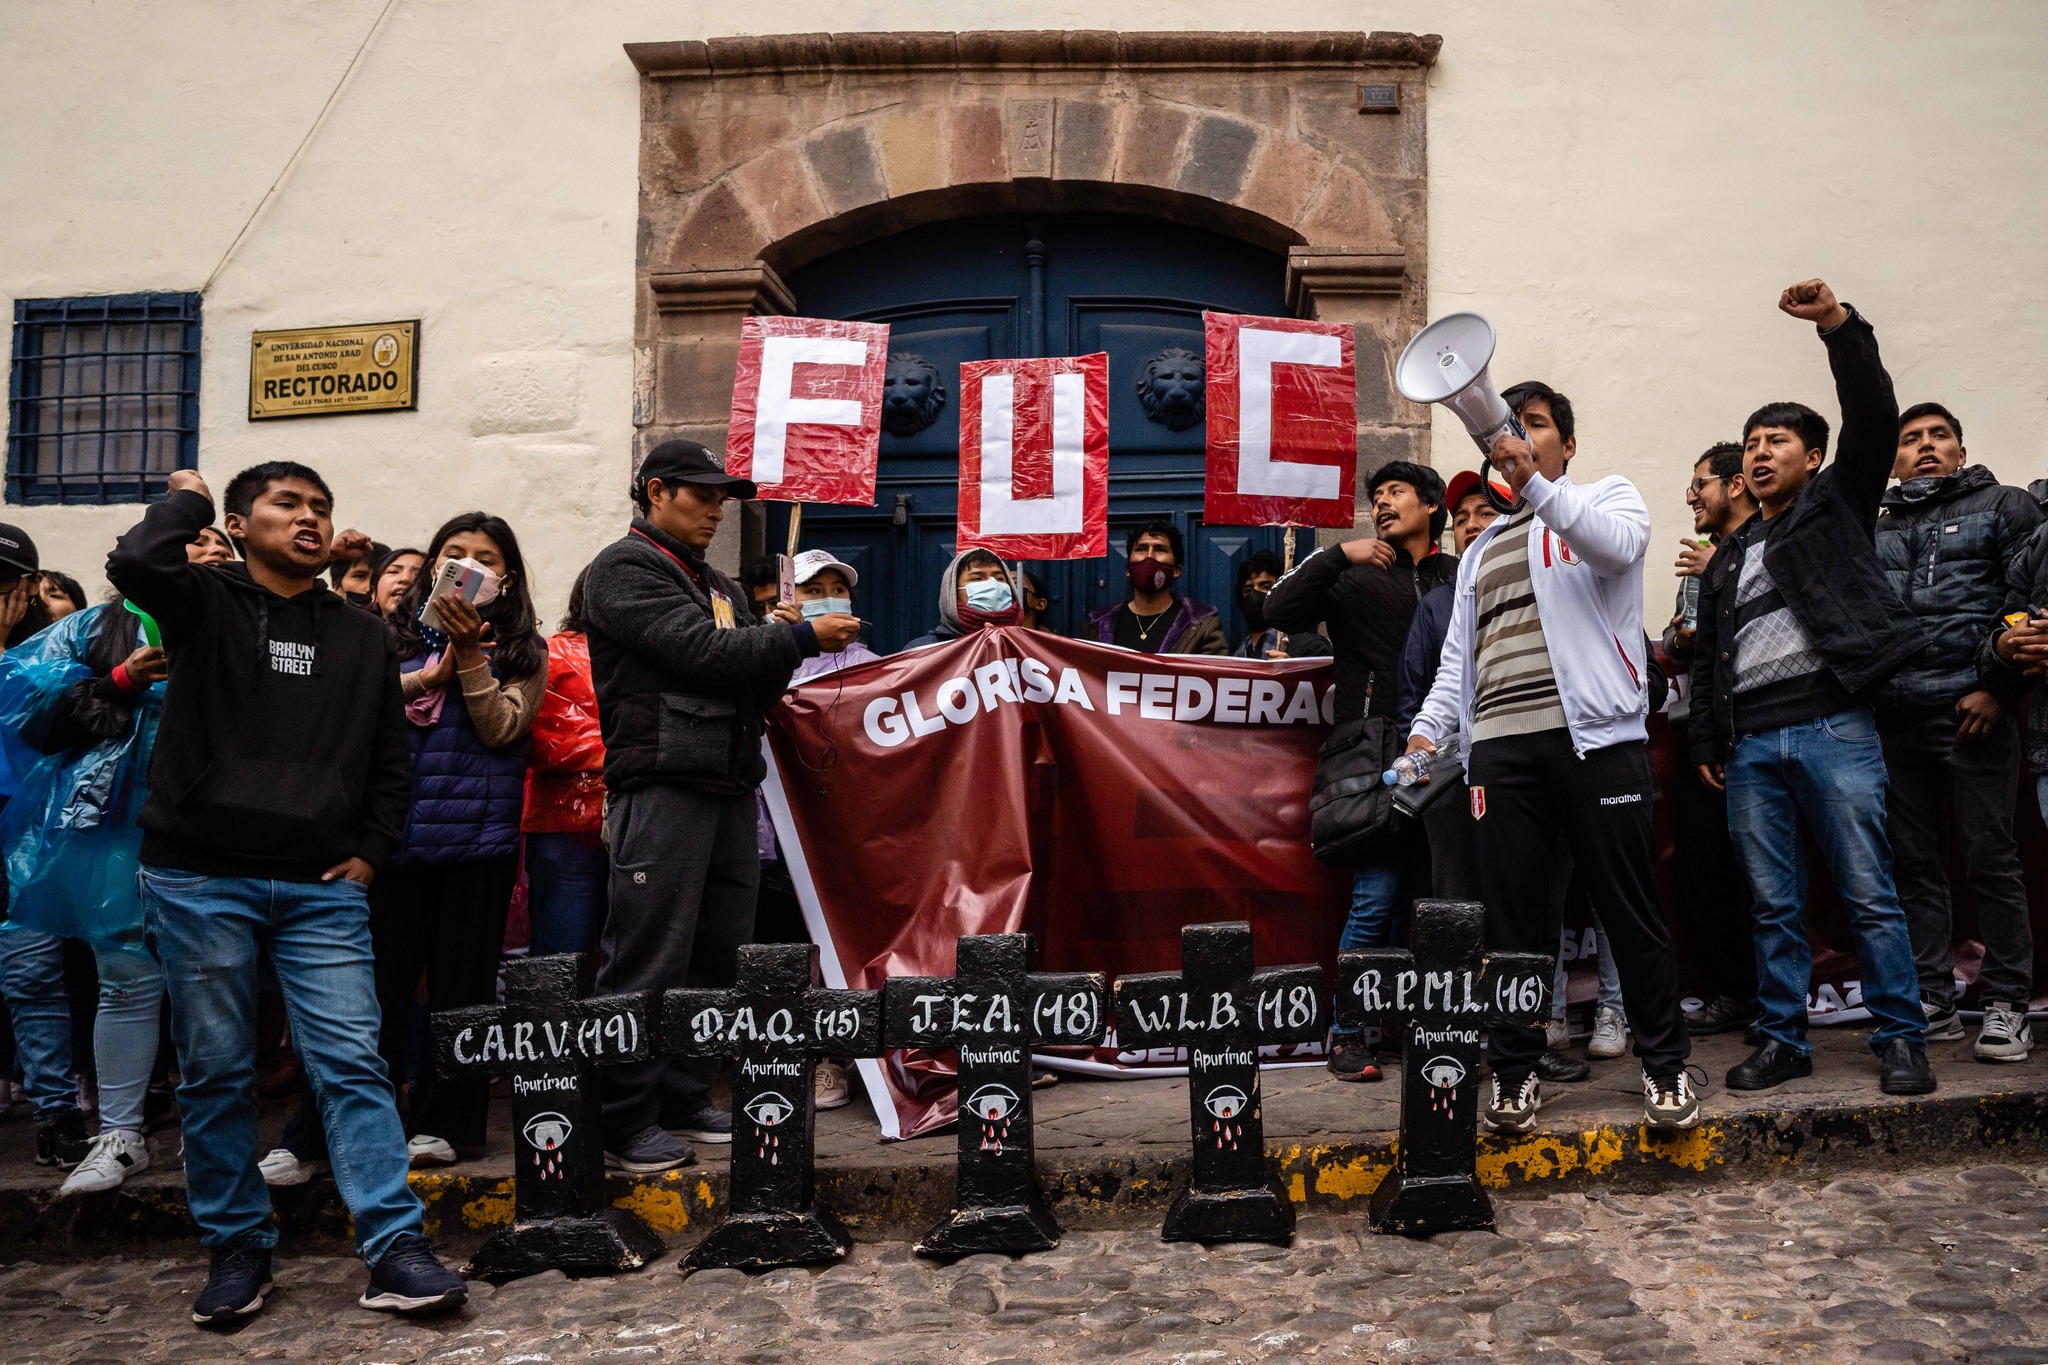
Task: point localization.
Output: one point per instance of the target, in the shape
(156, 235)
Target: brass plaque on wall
(325, 371)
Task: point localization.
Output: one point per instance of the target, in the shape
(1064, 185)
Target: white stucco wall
(1623, 187)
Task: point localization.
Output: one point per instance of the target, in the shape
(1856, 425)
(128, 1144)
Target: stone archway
(758, 155)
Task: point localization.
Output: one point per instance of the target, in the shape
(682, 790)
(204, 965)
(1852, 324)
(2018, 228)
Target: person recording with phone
(1543, 683)
(684, 676)
(473, 684)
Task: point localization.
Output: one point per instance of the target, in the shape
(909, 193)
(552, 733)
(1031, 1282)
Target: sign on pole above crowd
(807, 408)
(1034, 457)
(1283, 423)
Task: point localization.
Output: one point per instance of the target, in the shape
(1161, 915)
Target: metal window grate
(102, 397)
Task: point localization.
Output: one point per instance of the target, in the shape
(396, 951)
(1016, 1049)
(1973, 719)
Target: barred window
(102, 397)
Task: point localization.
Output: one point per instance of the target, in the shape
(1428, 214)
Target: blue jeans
(211, 934)
(1609, 997)
(1375, 894)
(567, 876)
(124, 1031)
(1828, 777)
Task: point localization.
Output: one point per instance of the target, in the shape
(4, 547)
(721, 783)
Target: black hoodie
(283, 749)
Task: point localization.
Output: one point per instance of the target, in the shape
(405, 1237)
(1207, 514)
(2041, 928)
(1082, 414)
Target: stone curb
(1113, 1191)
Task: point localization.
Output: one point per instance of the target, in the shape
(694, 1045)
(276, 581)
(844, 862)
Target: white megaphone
(1446, 363)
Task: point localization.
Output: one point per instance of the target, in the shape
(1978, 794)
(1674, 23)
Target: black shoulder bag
(1349, 808)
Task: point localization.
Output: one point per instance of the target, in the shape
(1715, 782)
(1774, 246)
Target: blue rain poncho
(69, 835)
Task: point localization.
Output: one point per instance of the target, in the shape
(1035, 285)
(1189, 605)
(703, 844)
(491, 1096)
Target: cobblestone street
(1934, 1266)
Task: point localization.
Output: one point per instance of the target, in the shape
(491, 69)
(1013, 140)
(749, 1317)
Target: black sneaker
(709, 1124)
(1562, 1066)
(648, 1152)
(235, 1285)
(1772, 1064)
(1352, 1060)
(1722, 1014)
(1903, 1069)
(62, 1141)
(409, 1278)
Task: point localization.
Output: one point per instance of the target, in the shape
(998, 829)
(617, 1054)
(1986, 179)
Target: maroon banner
(1096, 797)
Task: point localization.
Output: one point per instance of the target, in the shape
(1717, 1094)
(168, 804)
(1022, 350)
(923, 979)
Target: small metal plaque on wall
(326, 371)
(1379, 99)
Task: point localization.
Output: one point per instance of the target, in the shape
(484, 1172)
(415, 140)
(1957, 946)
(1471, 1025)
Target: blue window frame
(102, 397)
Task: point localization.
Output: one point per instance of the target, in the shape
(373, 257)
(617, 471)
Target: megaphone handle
(1504, 506)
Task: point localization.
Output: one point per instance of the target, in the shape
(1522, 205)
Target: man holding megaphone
(1542, 681)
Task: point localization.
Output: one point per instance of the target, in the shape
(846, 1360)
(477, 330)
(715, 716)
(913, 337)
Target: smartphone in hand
(464, 578)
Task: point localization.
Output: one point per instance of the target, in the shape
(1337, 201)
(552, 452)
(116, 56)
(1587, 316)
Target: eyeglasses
(1698, 486)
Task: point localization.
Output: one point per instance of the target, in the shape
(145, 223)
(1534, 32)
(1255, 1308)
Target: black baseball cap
(682, 461)
(17, 551)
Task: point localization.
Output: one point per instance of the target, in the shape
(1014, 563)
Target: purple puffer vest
(466, 799)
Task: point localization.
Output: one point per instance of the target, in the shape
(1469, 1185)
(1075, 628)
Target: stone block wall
(759, 155)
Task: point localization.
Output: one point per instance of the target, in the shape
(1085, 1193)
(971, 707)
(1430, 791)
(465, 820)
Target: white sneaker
(1557, 1036)
(2006, 1035)
(1610, 1033)
(113, 1157)
(1514, 1111)
(283, 1168)
(829, 1089)
(1670, 1104)
(426, 1150)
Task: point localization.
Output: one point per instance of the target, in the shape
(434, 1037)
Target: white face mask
(815, 607)
(989, 594)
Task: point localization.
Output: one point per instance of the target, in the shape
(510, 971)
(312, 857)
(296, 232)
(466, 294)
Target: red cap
(1464, 482)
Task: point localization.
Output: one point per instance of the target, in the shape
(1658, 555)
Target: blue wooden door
(994, 288)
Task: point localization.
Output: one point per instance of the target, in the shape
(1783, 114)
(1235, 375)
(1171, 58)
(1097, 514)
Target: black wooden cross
(1222, 1009)
(992, 1009)
(774, 1024)
(550, 1039)
(1443, 995)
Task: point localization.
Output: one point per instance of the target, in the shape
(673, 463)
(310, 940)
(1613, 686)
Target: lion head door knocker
(912, 395)
(1171, 389)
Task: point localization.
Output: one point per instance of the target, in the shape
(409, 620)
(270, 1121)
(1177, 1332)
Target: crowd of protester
(286, 781)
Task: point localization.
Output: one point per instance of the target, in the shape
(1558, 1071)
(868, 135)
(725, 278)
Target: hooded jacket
(1367, 609)
(1586, 549)
(282, 749)
(950, 626)
(1944, 543)
(680, 699)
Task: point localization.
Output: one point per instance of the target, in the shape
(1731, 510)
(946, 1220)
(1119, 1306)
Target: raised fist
(189, 479)
(1812, 301)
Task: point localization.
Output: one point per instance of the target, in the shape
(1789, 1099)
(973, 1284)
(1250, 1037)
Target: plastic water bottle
(1410, 769)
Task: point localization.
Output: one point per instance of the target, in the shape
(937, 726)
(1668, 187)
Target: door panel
(967, 291)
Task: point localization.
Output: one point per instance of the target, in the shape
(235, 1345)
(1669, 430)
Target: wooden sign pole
(796, 526)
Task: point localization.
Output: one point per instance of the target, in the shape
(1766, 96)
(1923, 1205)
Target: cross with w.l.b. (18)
(1441, 997)
(1223, 1009)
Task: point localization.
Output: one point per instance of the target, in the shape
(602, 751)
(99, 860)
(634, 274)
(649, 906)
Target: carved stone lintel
(1319, 276)
(754, 289)
(1028, 49)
